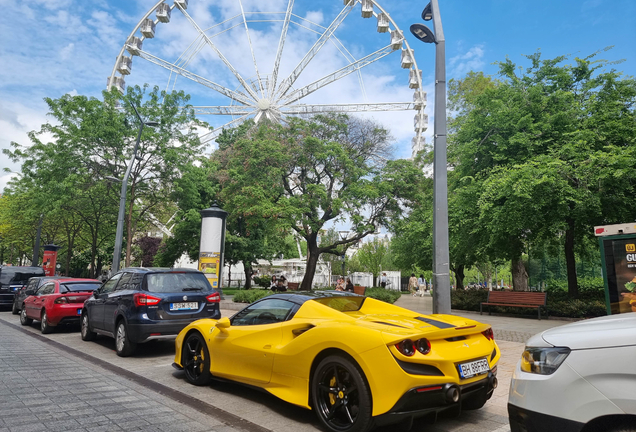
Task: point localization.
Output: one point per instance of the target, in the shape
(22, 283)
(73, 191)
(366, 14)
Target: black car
(12, 279)
(32, 285)
(138, 305)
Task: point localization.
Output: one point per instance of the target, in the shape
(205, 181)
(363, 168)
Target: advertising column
(50, 259)
(618, 255)
(212, 244)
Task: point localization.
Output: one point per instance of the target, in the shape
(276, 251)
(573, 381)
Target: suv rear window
(15, 275)
(177, 282)
(79, 287)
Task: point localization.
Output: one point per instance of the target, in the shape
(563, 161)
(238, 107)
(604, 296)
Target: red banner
(48, 262)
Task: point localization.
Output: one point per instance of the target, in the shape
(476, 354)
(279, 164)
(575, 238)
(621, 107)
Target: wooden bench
(293, 286)
(516, 299)
(357, 289)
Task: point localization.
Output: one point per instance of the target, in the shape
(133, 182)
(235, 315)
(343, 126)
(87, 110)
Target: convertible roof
(301, 297)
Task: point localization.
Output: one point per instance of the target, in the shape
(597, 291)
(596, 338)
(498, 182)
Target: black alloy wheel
(85, 329)
(195, 359)
(45, 327)
(340, 396)
(14, 308)
(24, 320)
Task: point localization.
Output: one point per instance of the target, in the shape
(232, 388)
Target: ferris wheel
(227, 56)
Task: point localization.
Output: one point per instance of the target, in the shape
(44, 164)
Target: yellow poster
(209, 264)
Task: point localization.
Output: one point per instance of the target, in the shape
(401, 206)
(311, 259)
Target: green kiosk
(618, 257)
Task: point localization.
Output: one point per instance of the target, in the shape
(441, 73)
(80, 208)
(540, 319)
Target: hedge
(591, 301)
(250, 296)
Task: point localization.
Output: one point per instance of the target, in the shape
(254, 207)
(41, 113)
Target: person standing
(413, 285)
(383, 280)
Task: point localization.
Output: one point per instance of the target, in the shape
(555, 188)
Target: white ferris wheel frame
(249, 103)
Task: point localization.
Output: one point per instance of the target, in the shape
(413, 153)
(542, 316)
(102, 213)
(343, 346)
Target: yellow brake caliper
(332, 397)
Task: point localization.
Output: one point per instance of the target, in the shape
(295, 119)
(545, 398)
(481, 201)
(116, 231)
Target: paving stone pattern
(44, 389)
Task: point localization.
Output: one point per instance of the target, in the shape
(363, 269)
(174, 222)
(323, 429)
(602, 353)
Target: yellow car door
(245, 350)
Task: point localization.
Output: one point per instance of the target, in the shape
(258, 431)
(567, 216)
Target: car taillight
(145, 300)
(214, 298)
(61, 300)
(423, 346)
(406, 347)
(489, 334)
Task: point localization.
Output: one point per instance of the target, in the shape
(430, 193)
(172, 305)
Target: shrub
(263, 281)
(250, 296)
(389, 296)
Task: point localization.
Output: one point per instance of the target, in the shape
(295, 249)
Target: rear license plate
(184, 306)
(79, 311)
(467, 370)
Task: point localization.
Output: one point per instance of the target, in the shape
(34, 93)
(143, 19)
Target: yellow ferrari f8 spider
(356, 361)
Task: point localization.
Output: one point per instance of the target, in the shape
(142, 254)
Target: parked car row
(135, 305)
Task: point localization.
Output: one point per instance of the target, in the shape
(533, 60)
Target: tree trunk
(519, 275)
(248, 275)
(570, 260)
(229, 276)
(312, 262)
(459, 276)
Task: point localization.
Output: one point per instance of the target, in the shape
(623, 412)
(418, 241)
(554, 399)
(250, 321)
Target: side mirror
(223, 323)
(29, 292)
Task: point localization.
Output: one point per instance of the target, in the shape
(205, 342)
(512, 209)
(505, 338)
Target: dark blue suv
(137, 305)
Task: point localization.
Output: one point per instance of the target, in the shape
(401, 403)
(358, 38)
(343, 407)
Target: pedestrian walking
(413, 285)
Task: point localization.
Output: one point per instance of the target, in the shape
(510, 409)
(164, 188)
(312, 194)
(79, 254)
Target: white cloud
(472, 60)
(67, 51)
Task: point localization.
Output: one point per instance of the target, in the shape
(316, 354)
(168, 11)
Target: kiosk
(618, 257)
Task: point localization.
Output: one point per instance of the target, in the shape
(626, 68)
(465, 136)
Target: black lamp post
(343, 236)
(441, 268)
(119, 234)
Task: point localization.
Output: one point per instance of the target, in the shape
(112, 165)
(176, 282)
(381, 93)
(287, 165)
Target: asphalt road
(148, 381)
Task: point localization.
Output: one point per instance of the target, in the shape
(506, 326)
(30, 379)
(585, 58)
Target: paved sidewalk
(43, 388)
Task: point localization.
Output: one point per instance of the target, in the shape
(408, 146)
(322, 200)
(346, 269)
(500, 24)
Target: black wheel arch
(611, 422)
(338, 352)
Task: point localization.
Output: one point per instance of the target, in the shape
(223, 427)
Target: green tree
(312, 172)
(547, 152)
(373, 257)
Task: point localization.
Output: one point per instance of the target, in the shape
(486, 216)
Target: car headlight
(544, 361)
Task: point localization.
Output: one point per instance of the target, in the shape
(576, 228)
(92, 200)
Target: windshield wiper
(192, 289)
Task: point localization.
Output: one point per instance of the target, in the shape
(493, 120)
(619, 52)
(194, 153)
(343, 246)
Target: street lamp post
(119, 234)
(441, 274)
(343, 237)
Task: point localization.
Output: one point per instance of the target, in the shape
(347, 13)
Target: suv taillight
(145, 300)
(214, 298)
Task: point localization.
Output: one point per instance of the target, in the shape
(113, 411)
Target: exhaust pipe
(494, 382)
(451, 393)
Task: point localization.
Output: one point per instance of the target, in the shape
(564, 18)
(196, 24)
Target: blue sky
(52, 47)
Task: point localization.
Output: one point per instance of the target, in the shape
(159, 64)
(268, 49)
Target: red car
(57, 302)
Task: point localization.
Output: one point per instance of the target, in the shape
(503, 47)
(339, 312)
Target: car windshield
(342, 304)
(78, 287)
(177, 282)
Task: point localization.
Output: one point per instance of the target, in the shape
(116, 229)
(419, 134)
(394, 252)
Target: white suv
(577, 377)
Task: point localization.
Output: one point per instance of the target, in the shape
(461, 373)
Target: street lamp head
(427, 13)
(151, 123)
(111, 178)
(423, 33)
